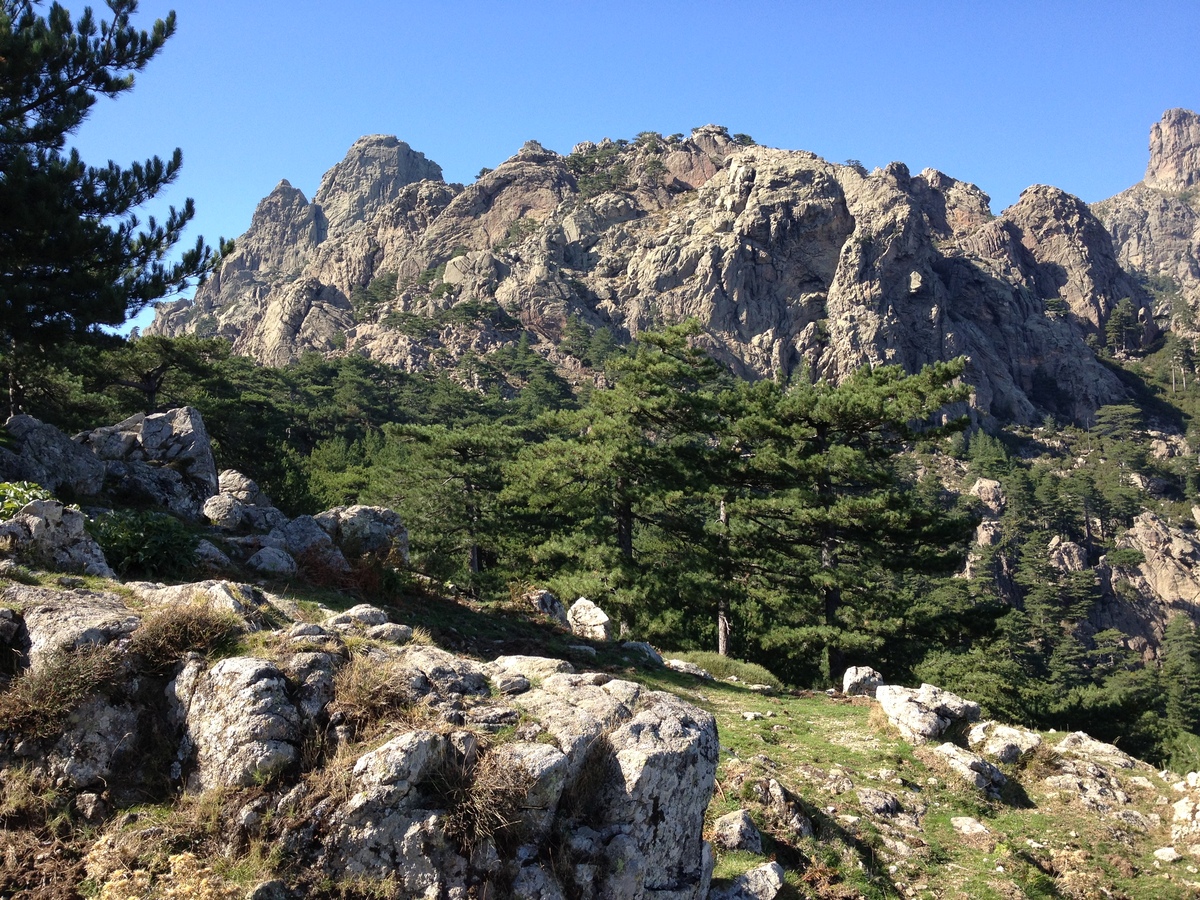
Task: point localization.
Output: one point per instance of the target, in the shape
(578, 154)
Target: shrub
(15, 494)
(1126, 558)
(146, 544)
(167, 634)
(36, 703)
(722, 667)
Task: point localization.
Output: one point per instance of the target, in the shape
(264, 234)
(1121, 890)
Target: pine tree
(1181, 672)
(826, 521)
(73, 254)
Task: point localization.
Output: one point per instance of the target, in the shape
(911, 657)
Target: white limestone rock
(972, 768)
(589, 621)
(51, 534)
(736, 831)
(240, 725)
(761, 883)
(861, 681)
(1004, 743)
(273, 562)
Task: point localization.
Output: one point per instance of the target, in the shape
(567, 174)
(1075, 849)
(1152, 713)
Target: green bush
(1126, 557)
(721, 667)
(15, 494)
(145, 544)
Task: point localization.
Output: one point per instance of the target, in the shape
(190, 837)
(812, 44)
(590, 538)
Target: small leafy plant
(145, 544)
(15, 494)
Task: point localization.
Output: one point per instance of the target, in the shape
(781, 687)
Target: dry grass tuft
(168, 634)
(371, 694)
(421, 635)
(187, 878)
(484, 798)
(35, 703)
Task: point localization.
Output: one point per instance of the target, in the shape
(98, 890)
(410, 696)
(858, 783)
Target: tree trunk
(723, 600)
(624, 515)
(14, 387)
(723, 625)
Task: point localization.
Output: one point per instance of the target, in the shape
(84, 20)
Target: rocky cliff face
(787, 260)
(1155, 224)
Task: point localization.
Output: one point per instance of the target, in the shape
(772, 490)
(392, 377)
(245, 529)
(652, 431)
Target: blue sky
(1003, 94)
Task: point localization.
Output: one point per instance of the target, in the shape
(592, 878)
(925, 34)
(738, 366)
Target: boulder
(972, 768)
(99, 742)
(361, 616)
(861, 681)
(736, 831)
(537, 667)
(366, 530)
(783, 807)
(968, 826)
(761, 883)
(311, 547)
(687, 668)
(1002, 742)
(589, 621)
(243, 600)
(55, 536)
(45, 455)
(927, 713)
(273, 562)
(644, 649)
(69, 620)
(382, 830)
(211, 558)
(240, 726)
(1087, 748)
(666, 760)
(879, 803)
(548, 769)
(224, 511)
(548, 605)
(165, 459)
(138, 483)
(390, 632)
(245, 490)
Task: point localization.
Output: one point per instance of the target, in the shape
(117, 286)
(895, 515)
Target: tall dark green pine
(446, 483)
(618, 491)
(1181, 672)
(825, 522)
(73, 254)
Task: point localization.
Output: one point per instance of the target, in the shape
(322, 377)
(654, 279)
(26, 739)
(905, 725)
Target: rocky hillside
(786, 259)
(1155, 224)
(229, 740)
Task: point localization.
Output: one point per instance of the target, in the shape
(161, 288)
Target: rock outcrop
(620, 774)
(926, 713)
(787, 261)
(1155, 225)
(50, 534)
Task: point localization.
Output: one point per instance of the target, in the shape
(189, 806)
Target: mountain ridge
(788, 261)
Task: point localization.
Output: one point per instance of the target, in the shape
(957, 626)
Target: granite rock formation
(1155, 224)
(787, 260)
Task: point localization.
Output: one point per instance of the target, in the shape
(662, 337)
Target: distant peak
(1174, 151)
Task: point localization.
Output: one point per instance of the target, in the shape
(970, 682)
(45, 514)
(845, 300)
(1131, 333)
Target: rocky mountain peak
(373, 173)
(1175, 151)
(788, 261)
(1155, 224)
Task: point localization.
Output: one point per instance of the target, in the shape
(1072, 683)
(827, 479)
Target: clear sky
(1004, 94)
